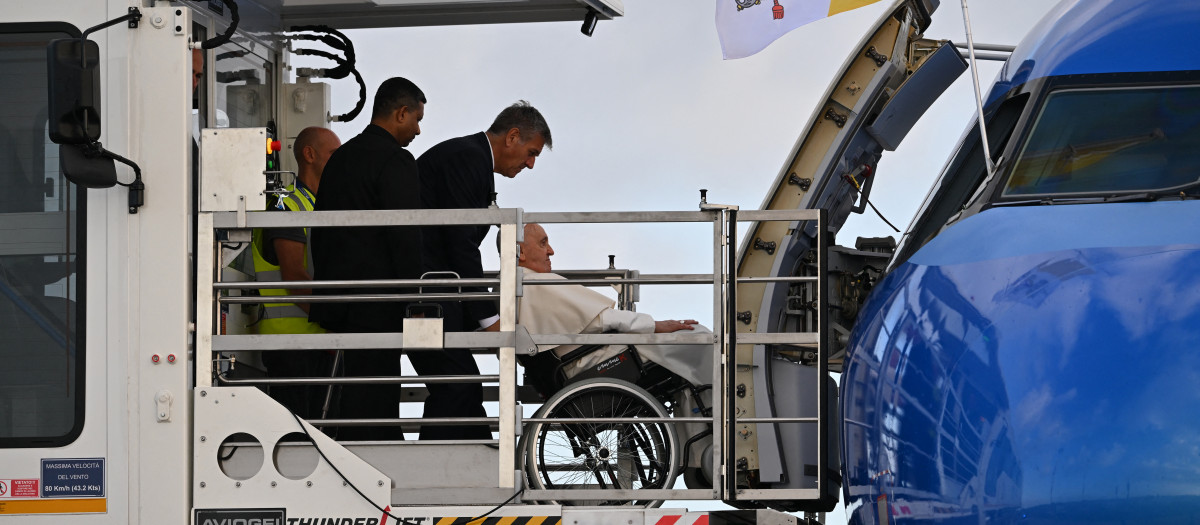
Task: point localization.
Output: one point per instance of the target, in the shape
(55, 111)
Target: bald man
(281, 254)
(288, 247)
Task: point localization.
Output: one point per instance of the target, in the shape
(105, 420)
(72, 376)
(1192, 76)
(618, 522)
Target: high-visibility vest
(283, 318)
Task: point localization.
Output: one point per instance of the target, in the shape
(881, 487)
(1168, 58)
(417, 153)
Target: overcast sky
(645, 113)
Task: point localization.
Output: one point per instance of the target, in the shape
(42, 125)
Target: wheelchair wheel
(618, 455)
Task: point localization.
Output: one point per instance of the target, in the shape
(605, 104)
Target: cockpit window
(1108, 141)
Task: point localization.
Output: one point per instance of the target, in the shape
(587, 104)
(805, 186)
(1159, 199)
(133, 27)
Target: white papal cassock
(575, 309)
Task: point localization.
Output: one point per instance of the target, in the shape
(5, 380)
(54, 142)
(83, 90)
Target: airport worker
(372, 171)
(197, 68)
(576, 309)
(281, 254)
(458, 173)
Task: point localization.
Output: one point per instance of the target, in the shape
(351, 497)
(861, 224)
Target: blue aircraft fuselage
(1033, 355)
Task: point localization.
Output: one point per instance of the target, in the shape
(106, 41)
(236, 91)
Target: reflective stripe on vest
(295, 200)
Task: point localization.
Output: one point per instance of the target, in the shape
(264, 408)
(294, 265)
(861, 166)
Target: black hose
(347, 46)
(345, 66)
(327, 39)
(342, 70)
(362, 99)
(222, 38)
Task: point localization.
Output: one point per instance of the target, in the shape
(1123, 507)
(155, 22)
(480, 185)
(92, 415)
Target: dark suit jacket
(369, 172)
(458, 174)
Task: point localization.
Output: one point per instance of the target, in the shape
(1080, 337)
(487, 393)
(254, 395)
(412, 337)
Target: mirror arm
(133, 17)
(137, 189)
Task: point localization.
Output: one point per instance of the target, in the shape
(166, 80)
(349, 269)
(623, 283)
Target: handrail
(361, 380)
(507, 342)
(392, 340)
(229, 220)
(365, 284)
(364, 298)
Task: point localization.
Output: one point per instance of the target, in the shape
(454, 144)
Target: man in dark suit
(371, 171)
(457, 173)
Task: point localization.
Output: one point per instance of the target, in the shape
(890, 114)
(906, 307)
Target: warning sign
(72, 478)
(18, 488)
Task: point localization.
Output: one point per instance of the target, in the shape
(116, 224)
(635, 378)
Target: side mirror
(86, 165)
(73, 76)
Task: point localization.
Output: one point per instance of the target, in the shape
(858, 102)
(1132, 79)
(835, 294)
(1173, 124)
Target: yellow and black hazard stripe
(499, 520)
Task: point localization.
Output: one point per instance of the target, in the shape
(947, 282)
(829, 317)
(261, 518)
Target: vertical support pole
(823, 327)
(508, 356)
(731, 350)
(206, 305)
(719, 357)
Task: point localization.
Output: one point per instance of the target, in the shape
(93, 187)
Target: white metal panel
(231, 169)
(108, 279)
(224, 412)
(302, 105)
(159, 305)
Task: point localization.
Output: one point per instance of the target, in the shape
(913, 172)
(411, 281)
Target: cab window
(41, 256)
(242, 89)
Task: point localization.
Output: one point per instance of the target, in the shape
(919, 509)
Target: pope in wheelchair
(589, 384)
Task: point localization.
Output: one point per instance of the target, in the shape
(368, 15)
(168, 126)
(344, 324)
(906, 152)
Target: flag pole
(987, 152)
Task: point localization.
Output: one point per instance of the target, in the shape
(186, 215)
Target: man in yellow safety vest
(282, 254)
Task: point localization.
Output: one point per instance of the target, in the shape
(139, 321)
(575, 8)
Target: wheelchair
(597, 383)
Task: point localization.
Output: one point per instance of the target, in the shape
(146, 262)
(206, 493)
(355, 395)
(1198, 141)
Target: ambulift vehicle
(129, 395)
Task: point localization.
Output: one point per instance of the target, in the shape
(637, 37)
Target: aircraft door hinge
(767, 246)
(878, 57)
(804, 183)
(838, 119)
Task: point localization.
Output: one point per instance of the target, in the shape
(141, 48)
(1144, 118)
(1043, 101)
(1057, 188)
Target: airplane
(1027, 358)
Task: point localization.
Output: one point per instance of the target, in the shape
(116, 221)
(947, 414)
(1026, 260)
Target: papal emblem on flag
(746, 27)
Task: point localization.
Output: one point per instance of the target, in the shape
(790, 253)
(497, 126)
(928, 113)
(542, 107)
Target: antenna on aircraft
(987, 151)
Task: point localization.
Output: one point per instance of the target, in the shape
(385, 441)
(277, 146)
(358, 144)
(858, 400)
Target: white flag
(746, 27)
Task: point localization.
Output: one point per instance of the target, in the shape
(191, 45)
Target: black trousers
(370, 401)
(451, 399)
(305, 400)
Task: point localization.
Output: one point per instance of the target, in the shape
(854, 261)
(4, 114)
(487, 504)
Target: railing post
(508, 358)
(722, 350)
(206, 306)
(823, 328)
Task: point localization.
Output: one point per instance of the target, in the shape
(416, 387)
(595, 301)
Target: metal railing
(511, 339)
